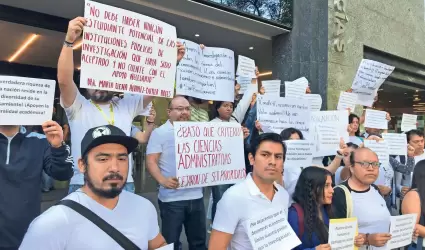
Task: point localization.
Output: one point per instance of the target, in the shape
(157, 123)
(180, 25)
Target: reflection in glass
(278, 11)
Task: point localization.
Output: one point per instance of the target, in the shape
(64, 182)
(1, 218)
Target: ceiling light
(405, 93)
(23, 47)
(417, 90)
(266, 74)
(78, 45)
(251, 48)
(197, 35)
(389, 101)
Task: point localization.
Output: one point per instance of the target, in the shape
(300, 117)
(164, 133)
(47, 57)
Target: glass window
(278, 12)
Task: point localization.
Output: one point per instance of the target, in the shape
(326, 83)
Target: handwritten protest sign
(246, 67)
(369, 78)
(209, 153)
(299, 153)
(397, 143)
(408, 122)
(331, 118)
(381, 149)
(347, 100)
(208, 73)
(376, 119)
(279, 113)
(296, 88)
(25, 101)
(244, 82)
(401, 230)
(315, 101)
(271, 231)
(271, 87)
(328, 137)
(342, 233)
(125, 51)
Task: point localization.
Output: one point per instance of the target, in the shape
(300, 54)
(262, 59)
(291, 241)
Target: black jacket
(21, 163)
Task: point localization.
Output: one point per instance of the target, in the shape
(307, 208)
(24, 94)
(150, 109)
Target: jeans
(217, 193)
(191, 214)
(129, 186)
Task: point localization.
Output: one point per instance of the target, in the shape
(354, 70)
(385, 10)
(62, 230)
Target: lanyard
(111, 110)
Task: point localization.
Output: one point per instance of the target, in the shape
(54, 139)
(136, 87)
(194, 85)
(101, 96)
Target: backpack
(349, 200)
(300, 213)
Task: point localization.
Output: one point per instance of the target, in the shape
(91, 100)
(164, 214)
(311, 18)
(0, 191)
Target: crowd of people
(102, 211)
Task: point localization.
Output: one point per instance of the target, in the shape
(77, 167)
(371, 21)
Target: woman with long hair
(354, 129)
(309, 215)
(414, 203)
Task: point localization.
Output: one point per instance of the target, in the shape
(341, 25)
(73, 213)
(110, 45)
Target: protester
(101, 109)
(22, 161)
(354, 129)
(359, 197)
(309, 215)
(177, 207)
(247, 199)
(415, 138)
(343, 172)
(105, 159)
(414, 202)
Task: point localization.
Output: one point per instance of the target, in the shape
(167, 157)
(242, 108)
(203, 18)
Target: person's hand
(404, 190)
(349, 110)
(415, 232)
(257, 72)
(388, 117)
(359, 240)
(410, 151)
(258, 126)
(54, 133)
(323, 247)
(350, 129)
(245, 132)
(75, 28)
(374, 137)
(152, 115)
(202, 46)
(384, 190)
(262, 90)
(170, 183)
(350, 90)
(181, 50)
(379, 240)
(308, 90)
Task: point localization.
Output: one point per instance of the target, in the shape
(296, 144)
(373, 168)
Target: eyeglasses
(366, 164)
(181, 109)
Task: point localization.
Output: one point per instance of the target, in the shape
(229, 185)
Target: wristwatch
(68, 44)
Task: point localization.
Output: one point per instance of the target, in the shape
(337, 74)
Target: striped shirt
(198, 114)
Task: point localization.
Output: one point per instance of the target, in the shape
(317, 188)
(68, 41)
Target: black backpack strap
(116, 235)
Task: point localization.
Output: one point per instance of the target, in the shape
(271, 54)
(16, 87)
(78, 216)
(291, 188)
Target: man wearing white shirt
(101, 109)
(256, 194)
(105, 151)
(177, 207)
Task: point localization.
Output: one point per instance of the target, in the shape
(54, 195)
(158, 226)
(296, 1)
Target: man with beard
(101, 109)
(105, 156)
(22, 160)
(177, 207)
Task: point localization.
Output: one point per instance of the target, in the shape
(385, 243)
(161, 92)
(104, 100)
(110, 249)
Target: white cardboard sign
(209, 153)
(26, 101)
(124, 51)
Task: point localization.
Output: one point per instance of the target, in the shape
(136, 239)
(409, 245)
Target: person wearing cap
(22, 161)
(101, 108)
(104, 163)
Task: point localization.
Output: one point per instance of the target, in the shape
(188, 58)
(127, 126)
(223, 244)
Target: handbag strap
(116, 235)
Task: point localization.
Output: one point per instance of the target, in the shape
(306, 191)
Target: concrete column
(304, 51)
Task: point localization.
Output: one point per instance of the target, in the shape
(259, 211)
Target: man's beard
(102, 97)
(111, 193)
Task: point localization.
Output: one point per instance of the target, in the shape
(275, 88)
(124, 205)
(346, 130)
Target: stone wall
(393, 26)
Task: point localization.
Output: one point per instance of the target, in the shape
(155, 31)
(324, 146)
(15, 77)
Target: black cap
(106, 134)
